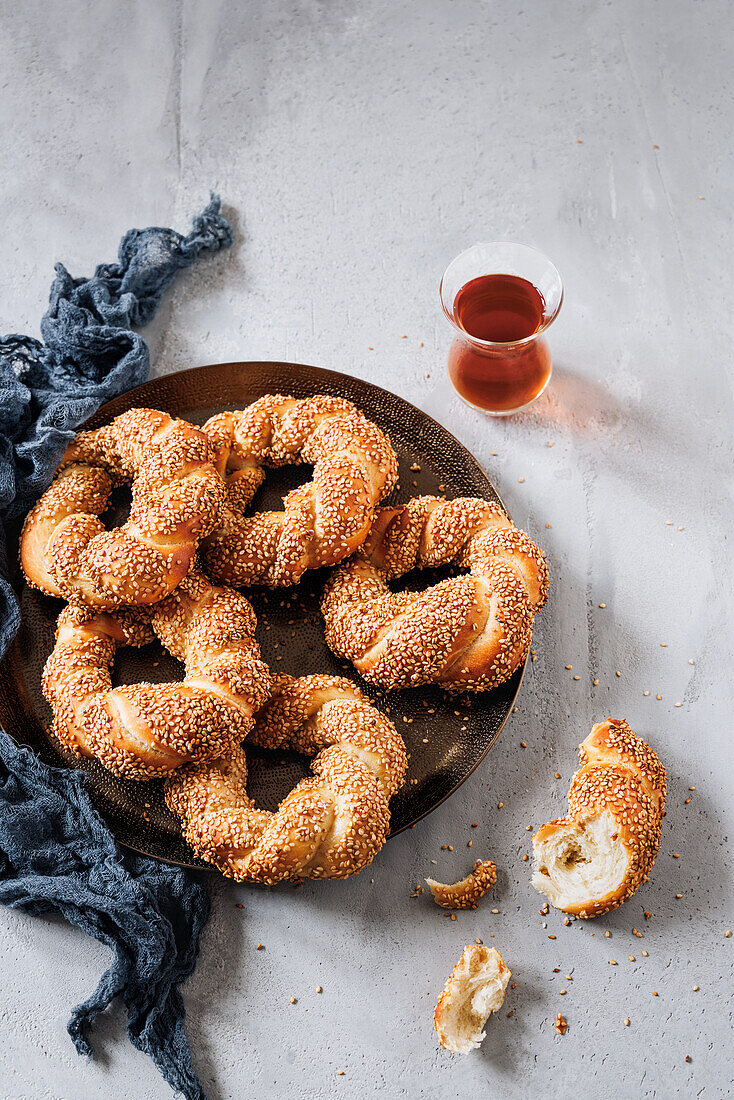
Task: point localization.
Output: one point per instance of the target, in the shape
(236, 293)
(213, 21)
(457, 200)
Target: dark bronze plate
(289, 623)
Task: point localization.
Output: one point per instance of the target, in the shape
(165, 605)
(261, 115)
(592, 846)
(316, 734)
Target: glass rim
(547, 322)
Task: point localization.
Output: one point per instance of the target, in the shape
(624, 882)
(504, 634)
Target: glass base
(503, 412)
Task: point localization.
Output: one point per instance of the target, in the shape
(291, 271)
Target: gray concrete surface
(359, 147)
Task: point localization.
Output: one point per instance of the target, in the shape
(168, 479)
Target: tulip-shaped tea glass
(501, 298)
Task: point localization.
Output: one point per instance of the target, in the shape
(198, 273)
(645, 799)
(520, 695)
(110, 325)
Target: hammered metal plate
(289, 623)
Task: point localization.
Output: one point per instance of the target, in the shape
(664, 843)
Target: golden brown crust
(623, 777)
(141, 731)
(329, 826)
(466, 633)
(177, 495)
(323, 521)
(467, 892)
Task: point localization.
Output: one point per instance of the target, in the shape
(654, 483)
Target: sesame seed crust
(467, 893)
(176, 498)
(145, 730)
(466, 633)
(622, 776)
(322, 522)
(330, 825)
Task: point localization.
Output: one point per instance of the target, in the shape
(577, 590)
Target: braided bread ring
(593, 860)
(177, 493)
(330, 826)
(323, 521)
(467, 633)
(141, 731)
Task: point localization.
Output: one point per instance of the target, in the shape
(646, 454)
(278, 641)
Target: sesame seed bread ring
(595, 858)
(323, 521)
(176, 496)
(468, 892)
(329, 826)
(467, 633)
(141, 731)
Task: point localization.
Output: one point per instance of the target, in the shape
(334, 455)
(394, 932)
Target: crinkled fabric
(56, 854)
(89, 354)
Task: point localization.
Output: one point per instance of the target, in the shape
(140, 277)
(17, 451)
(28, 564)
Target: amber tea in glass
(501, 299)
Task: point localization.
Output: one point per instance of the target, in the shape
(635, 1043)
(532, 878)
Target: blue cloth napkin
(56, 854)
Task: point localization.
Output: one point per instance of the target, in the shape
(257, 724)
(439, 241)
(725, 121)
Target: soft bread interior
(581, 861)
(475, 990)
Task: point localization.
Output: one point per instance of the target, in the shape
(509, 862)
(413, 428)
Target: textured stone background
(359, 147)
